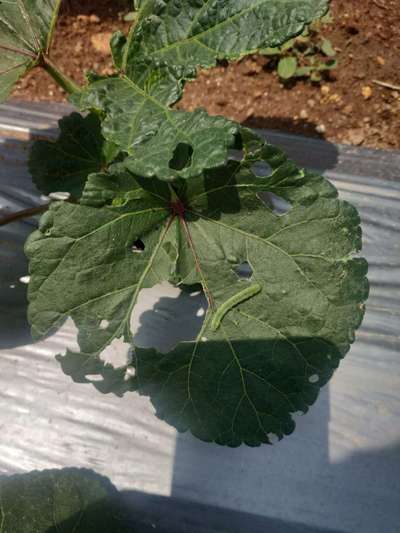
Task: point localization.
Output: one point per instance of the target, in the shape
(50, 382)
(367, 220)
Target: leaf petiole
(25, 213)
(69, 86)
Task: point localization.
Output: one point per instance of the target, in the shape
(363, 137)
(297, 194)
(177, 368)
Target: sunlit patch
(165, 315)
(60, 196)
(130, 373)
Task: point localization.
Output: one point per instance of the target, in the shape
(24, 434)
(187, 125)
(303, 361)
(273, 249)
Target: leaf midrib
(166, 110)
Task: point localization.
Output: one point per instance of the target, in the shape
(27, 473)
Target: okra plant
(159, 194)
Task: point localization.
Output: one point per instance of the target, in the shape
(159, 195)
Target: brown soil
(348, 107)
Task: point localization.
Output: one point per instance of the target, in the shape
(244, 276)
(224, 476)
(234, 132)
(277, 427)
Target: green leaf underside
(26, 28)
(62, 501)
(170, 42)
(64, 165)
(242, 381)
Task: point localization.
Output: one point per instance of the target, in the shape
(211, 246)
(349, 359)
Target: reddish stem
(19, 51)
(207, 292)
(25, 213)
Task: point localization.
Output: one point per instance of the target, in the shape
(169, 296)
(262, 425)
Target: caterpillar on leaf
(234, 300)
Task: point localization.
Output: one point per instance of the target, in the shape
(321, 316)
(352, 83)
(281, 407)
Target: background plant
(159, 194)
(310, 55)
(62, 501)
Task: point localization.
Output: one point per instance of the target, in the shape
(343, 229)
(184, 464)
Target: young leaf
(315, 76)
(327, 48)
(303, 71)
(26, 30)
(329, 65)
(131, 16)
(287, 67)
(65, 164)
(64, 500)
(139, 124)
(267, 343)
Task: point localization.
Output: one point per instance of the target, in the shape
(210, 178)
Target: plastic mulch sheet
(339, 471)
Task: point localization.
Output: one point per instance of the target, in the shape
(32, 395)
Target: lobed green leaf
(26, 28)
(240, 381)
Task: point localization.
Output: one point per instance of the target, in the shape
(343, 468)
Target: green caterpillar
(238, 298)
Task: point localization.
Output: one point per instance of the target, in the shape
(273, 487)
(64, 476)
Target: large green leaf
(276, 344)
(64, 164)
(195, 33)
(26, 28)
(60, 501)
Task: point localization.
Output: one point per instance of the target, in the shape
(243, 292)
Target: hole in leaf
(117, 354)
(236, 151)
(182, 157)
(236, 155)
(261, 169)
(104, 324)
(277, 204)
(165, 316)
(244, 270)
(94, 377)
(138, 247)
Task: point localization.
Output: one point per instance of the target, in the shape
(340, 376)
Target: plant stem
(63, 81)
(192, 247)
(25, 213)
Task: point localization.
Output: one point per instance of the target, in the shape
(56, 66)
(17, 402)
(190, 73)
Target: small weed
(310, 55)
